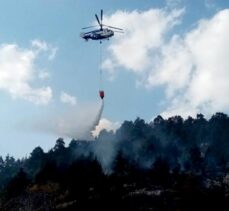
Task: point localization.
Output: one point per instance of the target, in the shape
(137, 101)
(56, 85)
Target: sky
(171, 60)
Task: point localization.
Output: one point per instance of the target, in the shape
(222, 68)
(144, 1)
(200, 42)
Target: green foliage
(17, 184)
(167, 164)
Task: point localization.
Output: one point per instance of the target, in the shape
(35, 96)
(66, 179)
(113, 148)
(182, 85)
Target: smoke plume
(75, 123)
(97, 119)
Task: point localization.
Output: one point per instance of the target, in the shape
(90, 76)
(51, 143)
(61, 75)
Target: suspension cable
(100, 68)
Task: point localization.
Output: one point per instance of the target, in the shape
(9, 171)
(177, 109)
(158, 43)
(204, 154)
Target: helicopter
(101, 33)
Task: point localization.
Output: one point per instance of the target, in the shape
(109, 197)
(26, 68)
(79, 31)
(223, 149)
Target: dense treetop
(139, 158)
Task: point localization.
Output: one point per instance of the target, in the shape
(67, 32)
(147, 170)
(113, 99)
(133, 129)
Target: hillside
(167, 164)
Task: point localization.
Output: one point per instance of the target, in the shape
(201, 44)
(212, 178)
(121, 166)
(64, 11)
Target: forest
(164, 165)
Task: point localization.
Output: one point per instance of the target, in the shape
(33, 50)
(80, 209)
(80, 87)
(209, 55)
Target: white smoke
(105, 124)
(77, 123)
(97, 119)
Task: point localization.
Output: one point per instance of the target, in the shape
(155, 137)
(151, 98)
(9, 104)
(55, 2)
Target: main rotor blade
(122, 32)
(113, 27)
(101, 16)
(89, 27)
(97, 19)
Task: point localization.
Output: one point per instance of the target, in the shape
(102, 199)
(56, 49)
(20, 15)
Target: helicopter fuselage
(97, 34)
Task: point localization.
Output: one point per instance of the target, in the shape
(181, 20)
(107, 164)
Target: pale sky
(171, 60)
